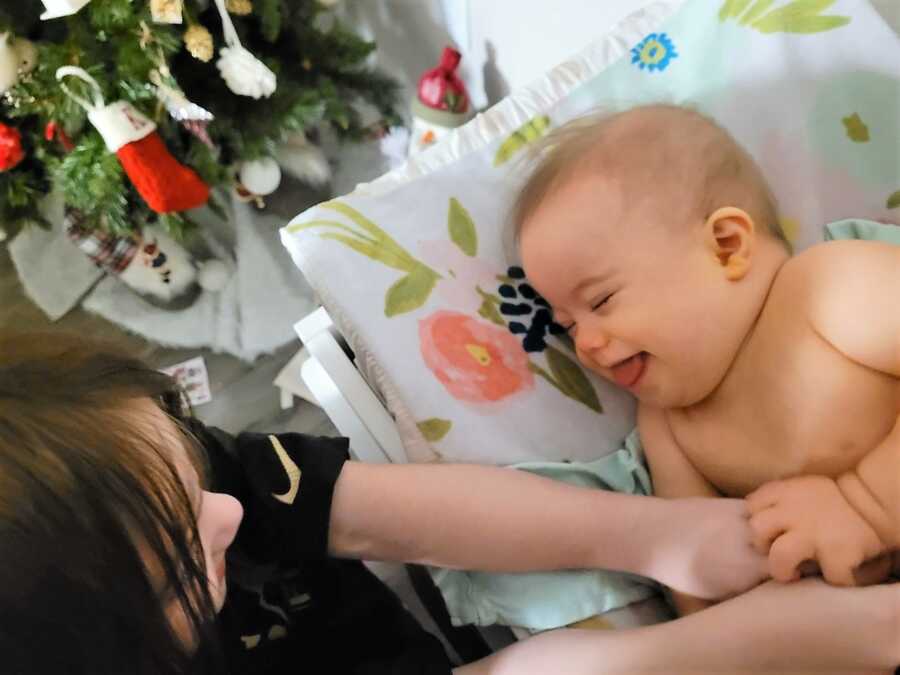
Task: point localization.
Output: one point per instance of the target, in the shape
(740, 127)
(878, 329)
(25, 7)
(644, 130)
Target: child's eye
(602, 302)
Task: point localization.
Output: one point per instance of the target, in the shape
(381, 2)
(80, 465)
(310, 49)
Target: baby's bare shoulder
(847, 291)
(835, 269)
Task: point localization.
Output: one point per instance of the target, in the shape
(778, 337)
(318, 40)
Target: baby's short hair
(667, 148)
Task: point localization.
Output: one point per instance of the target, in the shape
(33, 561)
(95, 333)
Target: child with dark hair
(135, 540)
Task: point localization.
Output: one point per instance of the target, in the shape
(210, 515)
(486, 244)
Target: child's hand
(808, 518)
(708, 550)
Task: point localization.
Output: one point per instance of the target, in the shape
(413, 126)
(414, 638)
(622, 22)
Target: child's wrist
(651, 544)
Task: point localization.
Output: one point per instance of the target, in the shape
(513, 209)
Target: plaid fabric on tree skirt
(108, 251)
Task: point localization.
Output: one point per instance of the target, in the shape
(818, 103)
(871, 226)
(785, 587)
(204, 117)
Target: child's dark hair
(89, 503)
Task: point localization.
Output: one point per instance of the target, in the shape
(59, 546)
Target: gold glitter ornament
(199, 42)
(239, 7)
(166, 11)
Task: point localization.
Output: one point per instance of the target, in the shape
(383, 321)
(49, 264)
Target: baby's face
(638, 292)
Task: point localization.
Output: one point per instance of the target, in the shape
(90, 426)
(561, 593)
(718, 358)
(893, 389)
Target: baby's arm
(673, 477)
(859, 314)
(852, 289)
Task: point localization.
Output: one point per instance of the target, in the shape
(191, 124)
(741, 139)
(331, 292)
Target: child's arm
(804, 628)
(503, 520)
(674, 477)
(855, 286)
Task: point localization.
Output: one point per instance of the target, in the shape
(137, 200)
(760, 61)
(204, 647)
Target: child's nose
(225, 513)
(591, 339)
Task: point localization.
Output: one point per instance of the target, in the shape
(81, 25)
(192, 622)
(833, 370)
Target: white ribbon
(118, 123)
(81, 74)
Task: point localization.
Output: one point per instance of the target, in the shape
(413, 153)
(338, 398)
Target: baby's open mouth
(627, 373)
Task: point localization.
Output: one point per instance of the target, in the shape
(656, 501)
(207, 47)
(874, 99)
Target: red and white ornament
(164, 183)
(442, 103)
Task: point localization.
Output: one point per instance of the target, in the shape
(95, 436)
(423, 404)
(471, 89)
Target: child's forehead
(155, 426)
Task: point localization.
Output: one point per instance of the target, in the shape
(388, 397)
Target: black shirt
(291, 608)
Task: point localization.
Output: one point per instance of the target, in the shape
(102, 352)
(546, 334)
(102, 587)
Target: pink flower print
(476, 361)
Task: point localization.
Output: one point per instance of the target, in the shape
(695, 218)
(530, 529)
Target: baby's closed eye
(597, 304)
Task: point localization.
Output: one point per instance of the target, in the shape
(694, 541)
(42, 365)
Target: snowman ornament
(18, 57)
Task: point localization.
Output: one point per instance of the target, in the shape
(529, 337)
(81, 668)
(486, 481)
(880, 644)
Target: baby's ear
(731, 237)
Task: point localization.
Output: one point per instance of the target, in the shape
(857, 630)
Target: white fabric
(252, 315)
(119, 124)
(168, 281)
(54, 272)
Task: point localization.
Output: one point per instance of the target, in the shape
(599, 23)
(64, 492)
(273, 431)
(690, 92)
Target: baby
(654, 237)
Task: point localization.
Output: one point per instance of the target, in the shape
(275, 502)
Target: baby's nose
(591, 339)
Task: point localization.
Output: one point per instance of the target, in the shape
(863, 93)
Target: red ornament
(53, 130)
(11, 152)
(440, 88)
(164, 183)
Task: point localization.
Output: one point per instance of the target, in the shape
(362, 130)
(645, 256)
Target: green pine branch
(323, 73)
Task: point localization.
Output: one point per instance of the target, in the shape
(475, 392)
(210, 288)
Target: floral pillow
(414, 265)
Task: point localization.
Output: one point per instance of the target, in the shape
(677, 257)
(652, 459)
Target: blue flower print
(654, 52)
(531, 312)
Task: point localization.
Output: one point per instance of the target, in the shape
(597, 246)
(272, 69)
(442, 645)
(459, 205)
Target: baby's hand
(808, 519)
(708, 551)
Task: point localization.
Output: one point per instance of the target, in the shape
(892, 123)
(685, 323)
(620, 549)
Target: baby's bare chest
(791, 405)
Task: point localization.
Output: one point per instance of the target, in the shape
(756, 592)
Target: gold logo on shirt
(292, 470)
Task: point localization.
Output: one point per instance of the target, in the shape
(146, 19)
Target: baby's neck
(768, 264)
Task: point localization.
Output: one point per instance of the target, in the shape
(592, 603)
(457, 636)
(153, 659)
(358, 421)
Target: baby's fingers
(786, 555)
(766, 526)
(838, 569)
(765, 497)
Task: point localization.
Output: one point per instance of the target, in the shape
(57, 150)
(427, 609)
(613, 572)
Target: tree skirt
(252, 315)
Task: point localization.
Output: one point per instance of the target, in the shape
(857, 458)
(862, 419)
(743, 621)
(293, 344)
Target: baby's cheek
(586, 361)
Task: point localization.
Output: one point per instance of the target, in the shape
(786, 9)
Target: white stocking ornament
(244, 74)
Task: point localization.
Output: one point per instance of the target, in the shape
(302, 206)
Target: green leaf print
(462, 229)
(571, 380)
(733, 8)
(488, 309)
(893, 201)
(857, 131)
(434, 429)
(759, 8)
(798, 16)
(527, 133)
(410, 292)
(373, 251)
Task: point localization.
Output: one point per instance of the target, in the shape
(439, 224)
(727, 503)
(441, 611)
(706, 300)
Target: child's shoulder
(830, 269)
(847, 292)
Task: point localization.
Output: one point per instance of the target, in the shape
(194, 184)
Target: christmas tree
(284, 69)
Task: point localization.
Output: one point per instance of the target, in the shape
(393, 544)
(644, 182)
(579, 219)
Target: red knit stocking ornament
(164, 183)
